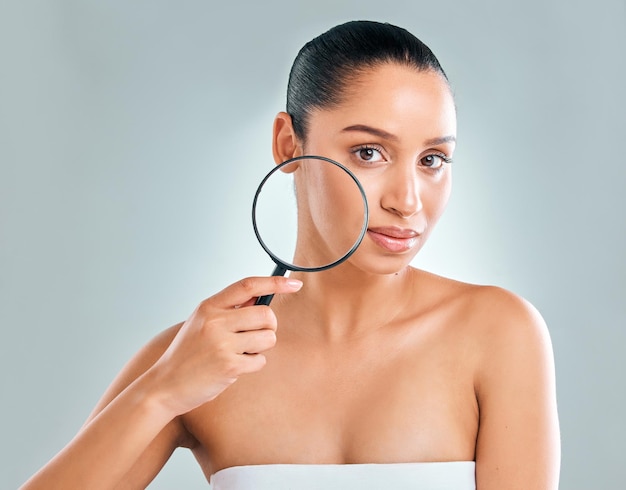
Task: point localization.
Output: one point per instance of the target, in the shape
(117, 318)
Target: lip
(394, 239)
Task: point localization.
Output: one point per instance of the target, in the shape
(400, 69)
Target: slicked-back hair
(326, 65)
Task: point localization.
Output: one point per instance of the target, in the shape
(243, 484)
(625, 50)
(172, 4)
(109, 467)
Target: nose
(402, 192)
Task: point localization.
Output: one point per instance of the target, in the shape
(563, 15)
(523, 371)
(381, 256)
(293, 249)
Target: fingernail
(294, 284)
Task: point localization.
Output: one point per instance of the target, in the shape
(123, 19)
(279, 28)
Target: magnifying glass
(309, 214)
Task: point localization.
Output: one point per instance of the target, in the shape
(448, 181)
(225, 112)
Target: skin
(389, 364)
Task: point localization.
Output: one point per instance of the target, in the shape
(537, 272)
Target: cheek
(340, 200)
(332, 201)
(435, 197)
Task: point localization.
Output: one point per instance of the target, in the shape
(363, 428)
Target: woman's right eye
(368, 154)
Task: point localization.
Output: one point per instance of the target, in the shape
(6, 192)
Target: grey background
(132, 135)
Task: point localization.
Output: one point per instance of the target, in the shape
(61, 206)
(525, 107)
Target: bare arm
(135, 428)
(518, 443)
(173, 435)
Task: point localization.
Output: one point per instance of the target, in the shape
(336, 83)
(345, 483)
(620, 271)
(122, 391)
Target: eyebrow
(380, 133)
(441, 140)
(373, 131)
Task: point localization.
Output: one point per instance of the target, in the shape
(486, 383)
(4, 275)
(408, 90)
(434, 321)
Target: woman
(413, 379)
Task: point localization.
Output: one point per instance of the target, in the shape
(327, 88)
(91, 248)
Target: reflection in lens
(310, 213)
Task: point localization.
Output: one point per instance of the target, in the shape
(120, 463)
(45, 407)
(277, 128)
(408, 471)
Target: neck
(344, 302)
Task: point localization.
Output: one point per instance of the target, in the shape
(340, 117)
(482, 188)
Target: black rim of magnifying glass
(293, 267)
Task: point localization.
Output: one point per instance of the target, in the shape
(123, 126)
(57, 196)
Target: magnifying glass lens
(310, 213)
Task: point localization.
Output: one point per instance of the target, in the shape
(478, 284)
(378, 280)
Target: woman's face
(395, 129)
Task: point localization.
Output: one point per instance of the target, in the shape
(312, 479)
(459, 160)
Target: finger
(250, 302)
(252, 287)
(249, 318)
(255, 342)
(251, 363)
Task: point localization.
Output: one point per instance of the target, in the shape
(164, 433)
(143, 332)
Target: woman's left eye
(434, 160)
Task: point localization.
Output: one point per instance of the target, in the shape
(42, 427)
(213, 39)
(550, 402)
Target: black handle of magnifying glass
(279, 270)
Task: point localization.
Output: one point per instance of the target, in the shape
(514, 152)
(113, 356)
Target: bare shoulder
(518, 442)
(503, 328)
(507, 326)
(492, 313)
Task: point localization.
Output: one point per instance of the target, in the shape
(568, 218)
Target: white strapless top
(456, 475)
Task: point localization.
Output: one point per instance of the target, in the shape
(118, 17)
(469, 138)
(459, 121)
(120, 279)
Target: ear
(285, 143)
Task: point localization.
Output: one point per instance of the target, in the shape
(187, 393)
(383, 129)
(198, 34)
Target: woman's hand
(135, 428)
(224, 338)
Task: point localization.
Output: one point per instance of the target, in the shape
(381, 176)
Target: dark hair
(326, 65)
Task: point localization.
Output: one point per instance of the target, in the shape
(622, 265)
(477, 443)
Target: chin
(378, 264)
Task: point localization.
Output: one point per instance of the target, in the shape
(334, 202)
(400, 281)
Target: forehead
(399, 99)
